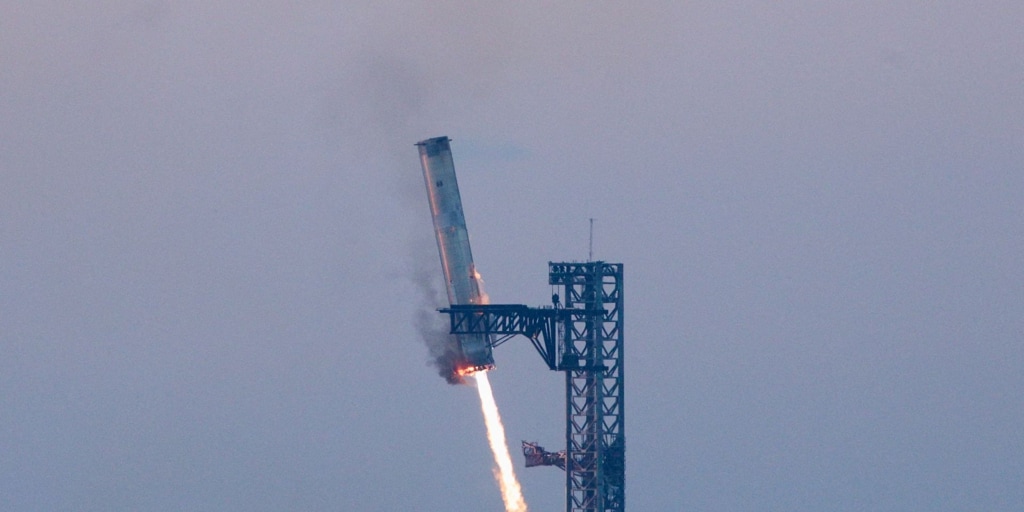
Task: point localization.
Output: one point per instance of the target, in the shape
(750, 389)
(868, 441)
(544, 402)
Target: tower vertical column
(592, 358)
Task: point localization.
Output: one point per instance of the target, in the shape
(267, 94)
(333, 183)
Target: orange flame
(511, 493)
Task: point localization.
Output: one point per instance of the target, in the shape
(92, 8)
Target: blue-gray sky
(212, 213)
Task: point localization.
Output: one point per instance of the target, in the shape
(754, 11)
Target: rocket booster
(461, 277)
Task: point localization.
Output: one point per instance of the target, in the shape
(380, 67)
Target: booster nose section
(462, 280)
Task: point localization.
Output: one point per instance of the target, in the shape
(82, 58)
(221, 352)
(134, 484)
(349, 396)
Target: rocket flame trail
(505, 475)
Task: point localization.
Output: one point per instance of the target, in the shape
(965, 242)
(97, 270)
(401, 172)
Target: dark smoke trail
(432, 326)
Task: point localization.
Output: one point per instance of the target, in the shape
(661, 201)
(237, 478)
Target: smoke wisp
(442, 347)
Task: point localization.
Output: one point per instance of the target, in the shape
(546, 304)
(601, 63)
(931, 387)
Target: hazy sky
(212, 217)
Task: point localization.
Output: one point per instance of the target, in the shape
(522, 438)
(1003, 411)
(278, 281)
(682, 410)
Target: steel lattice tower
(582, 336)
(593, 364)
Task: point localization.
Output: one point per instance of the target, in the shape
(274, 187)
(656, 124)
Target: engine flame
(511, 493)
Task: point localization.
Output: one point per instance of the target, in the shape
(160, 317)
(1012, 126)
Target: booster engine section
(461, 278)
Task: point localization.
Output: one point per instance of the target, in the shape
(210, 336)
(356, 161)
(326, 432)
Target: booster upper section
(461, 278)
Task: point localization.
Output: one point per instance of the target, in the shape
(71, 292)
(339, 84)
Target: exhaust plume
(511, 493)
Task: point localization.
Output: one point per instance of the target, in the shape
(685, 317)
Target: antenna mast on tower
(590, 253)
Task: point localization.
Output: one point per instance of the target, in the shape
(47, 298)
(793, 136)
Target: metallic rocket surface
(461, 278)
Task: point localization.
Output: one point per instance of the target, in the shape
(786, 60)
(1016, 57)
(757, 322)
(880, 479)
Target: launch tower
(581, 334)
(592, 361)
